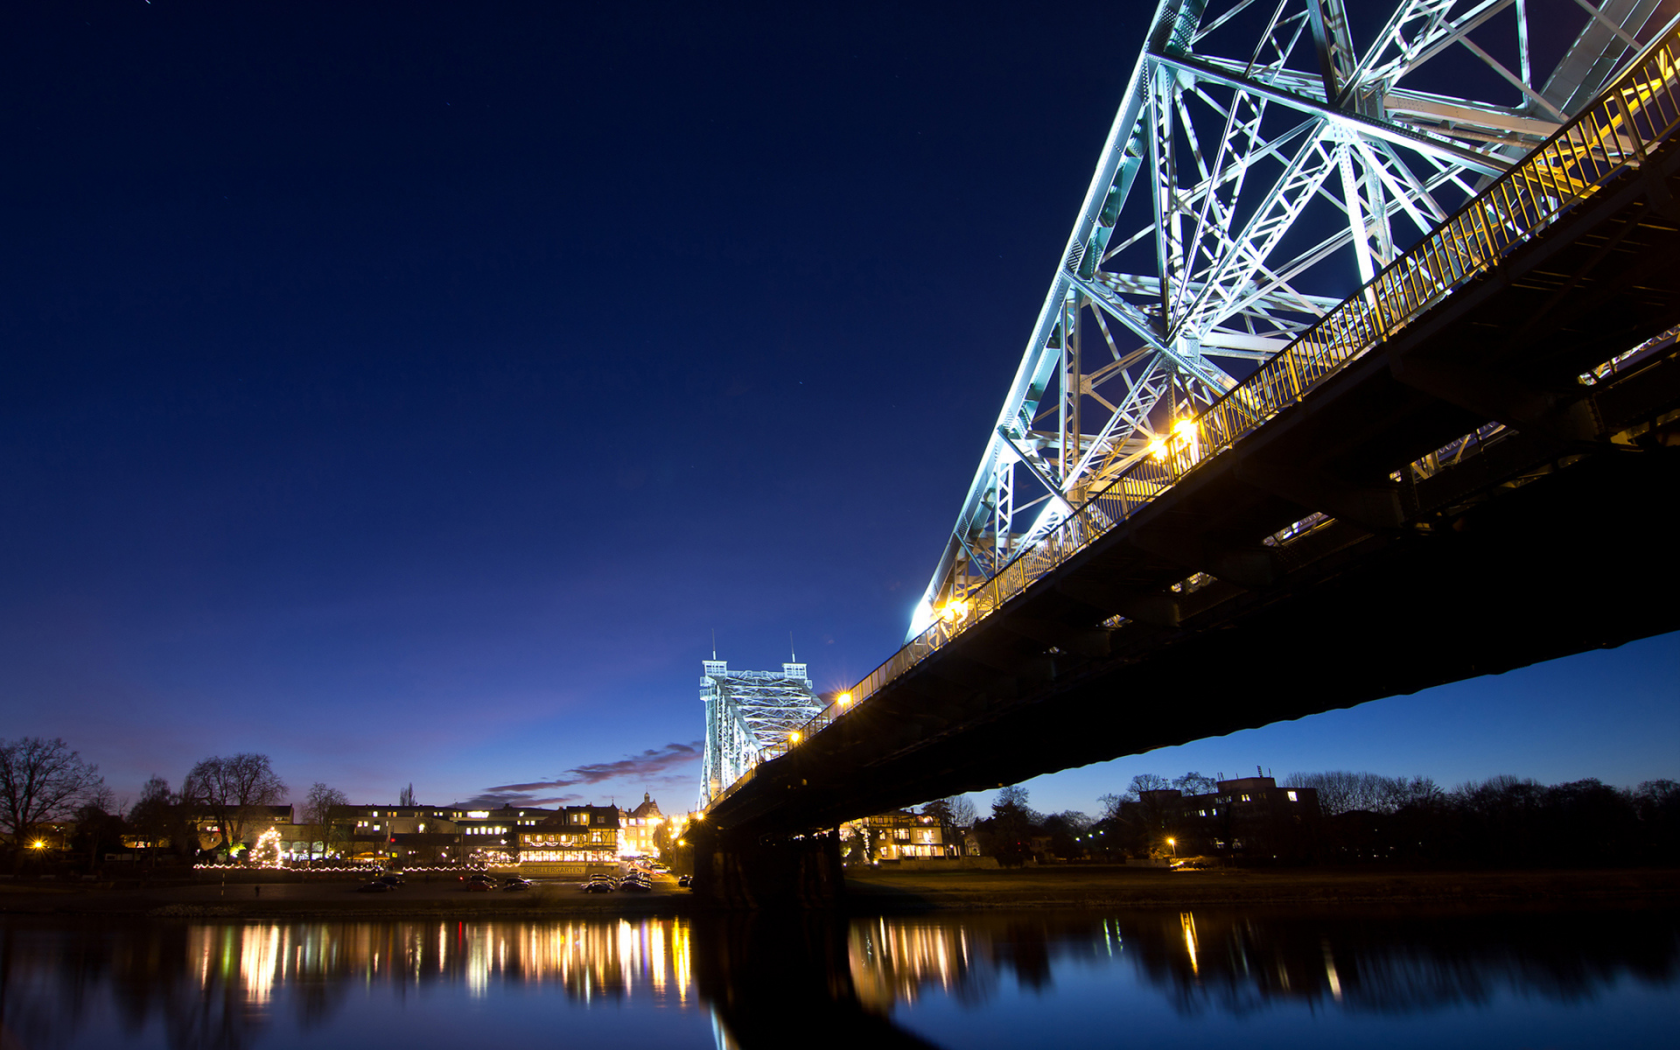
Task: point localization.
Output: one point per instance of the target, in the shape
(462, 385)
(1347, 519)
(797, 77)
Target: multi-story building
(1250, 817)
(899, 835)
(571, 841)
(638, 830)
(429, 834)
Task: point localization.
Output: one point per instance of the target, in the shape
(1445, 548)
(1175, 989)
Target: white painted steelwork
(1264, 164)
(749, 715)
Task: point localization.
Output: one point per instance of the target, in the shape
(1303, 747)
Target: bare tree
(154, 817)
(406, 796)
(40, 780)
(229, 788)
(962, 811)
(1196, 784)
(99, 822)
(1016, 796)
(953, 813)
(318, 811)
(1149, 782)
(1111, 804)
(1340, 791)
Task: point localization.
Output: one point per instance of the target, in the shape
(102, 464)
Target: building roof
(648, 808)
(599, 817)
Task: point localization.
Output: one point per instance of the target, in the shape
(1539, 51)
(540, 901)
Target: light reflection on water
(590, 960)
(745, 981)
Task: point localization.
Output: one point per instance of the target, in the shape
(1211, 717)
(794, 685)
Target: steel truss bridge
(1345, 386)
(748, 713)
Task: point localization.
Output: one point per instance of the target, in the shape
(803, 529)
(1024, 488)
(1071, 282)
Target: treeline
(1350, 818)
(46, 788)
(1508, 822)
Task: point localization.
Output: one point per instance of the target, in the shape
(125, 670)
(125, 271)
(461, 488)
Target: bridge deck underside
(1556, 539)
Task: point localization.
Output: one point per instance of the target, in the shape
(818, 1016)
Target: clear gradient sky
(408, 391)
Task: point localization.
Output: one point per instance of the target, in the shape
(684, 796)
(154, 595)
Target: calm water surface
(1141, 978)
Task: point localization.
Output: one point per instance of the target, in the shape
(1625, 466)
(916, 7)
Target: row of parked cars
(478, 882)
(482, 883)
(634, 881)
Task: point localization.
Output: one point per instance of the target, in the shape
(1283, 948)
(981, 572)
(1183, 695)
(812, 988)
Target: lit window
(1292, 796)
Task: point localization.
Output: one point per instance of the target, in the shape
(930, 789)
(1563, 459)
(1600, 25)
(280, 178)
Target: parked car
(599, 883)
(514, 882)
(479, 887)
(376, 886)
(636, 885)
(390, 879)
(685, 880)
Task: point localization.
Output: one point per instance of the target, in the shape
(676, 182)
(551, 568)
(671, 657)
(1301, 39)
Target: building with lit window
(570, 842)
(899, 835)
(1249, 818)
(432, 835)
(639, 828)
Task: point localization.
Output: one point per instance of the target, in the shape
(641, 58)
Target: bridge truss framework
(749, 716)
(1265, 163)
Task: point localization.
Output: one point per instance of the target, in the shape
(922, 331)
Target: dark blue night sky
(409, 390)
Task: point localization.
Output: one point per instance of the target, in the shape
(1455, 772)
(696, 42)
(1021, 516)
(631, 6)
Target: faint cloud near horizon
(655, 765)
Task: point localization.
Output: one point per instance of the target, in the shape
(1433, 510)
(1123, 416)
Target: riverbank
(868, 893)
(1076, 886)
(247, 899)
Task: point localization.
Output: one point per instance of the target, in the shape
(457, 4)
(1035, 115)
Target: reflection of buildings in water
(891, 961)
(589, 960)
(218, 985)
(1236, 963)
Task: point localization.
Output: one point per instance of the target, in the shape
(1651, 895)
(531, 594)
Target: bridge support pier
(743, 871)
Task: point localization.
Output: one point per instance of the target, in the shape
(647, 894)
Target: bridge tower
(1266, 160)
(749, 715)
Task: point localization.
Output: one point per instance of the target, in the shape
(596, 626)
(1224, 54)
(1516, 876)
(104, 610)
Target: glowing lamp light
(1158, 447)
(953, 610)
(1184, 426)
(793, 737)
(843, 699)
(40, 844)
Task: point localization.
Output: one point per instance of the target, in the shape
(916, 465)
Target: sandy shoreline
(868, 893)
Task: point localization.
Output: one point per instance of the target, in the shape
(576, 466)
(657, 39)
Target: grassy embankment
(1117, 887)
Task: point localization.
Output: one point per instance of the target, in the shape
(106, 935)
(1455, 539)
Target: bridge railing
(1636, 113)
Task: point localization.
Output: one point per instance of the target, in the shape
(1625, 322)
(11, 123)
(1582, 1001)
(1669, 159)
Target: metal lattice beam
(1264, 163)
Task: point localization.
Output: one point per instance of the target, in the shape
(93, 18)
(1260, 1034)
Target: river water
(1212, 977)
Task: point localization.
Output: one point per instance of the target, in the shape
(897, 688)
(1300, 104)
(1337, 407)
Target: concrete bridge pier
(737, 870)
